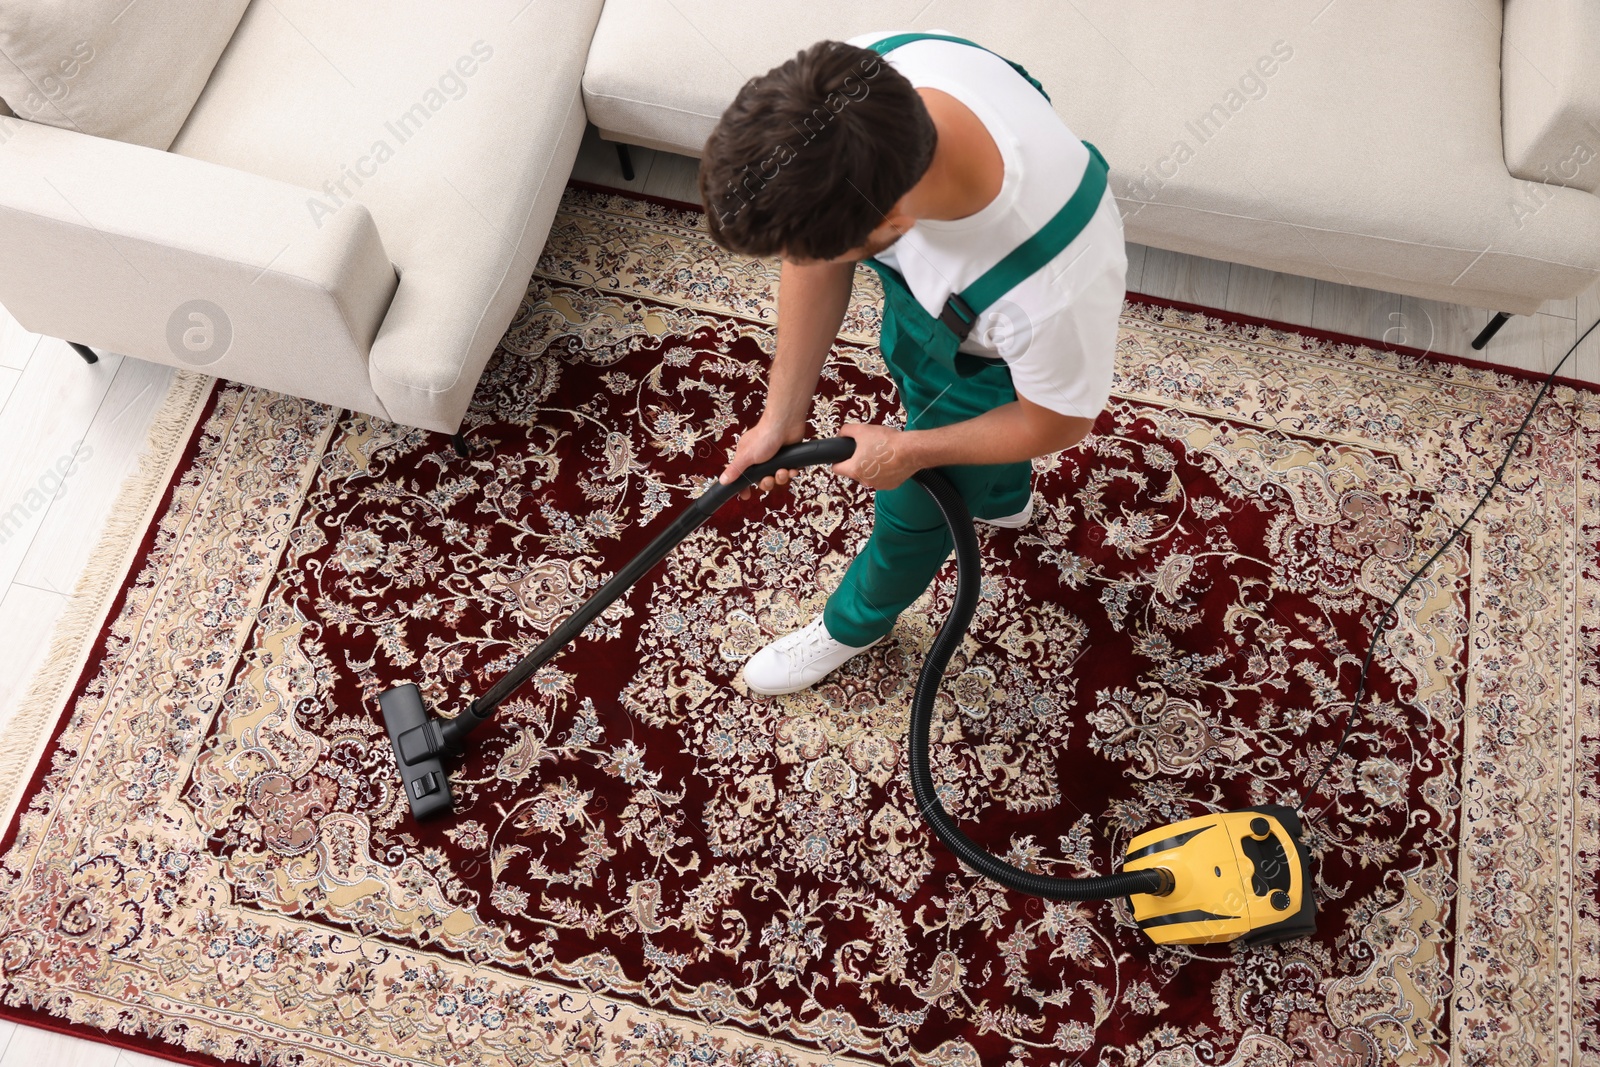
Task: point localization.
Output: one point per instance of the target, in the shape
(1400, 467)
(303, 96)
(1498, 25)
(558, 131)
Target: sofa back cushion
(110, 68)
(1550, 91)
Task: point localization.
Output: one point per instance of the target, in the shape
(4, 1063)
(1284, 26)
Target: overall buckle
(958, 316)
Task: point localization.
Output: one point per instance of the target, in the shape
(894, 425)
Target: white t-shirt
(1057, 330)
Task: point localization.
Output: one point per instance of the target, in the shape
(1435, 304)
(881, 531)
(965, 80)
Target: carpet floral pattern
(650, 865)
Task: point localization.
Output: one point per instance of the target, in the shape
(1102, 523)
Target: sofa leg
(626, 160)
(85, 351)
(1490, 330)
(459, 440)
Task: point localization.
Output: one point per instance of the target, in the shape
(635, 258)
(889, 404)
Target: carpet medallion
(649, 865)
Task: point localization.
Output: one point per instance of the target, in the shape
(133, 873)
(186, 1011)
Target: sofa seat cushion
(1355, 143)
(455, 125)
(110, 68)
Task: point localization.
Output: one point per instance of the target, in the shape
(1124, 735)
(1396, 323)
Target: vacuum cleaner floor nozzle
(426, 784)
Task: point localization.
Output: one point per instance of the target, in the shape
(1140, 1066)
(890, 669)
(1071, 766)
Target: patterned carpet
(649, 865)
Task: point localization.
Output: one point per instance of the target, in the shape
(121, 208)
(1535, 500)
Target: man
(946, 169)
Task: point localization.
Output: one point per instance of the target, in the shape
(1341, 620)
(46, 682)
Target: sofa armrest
(1550, 91)
(188, 263)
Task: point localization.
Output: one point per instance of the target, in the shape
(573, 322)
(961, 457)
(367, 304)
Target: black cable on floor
(1387, 617)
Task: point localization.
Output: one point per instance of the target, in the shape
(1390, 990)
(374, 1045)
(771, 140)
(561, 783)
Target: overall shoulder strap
(963, 308)
(1054, 236)
(889, 44)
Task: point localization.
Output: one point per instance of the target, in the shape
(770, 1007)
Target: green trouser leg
(909, 543)
(910, 540)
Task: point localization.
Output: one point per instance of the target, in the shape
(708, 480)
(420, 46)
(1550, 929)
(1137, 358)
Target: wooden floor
(55, 408)
(26, 1047)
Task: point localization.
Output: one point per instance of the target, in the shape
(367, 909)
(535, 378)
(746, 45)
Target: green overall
(938, 386)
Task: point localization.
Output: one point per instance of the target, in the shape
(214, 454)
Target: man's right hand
(757, 445)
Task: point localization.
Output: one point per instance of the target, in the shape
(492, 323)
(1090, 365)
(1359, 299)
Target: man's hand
(757, 445)
(882, 459)
(1011, 433)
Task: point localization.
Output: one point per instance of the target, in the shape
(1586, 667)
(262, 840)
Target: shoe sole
(758, 691)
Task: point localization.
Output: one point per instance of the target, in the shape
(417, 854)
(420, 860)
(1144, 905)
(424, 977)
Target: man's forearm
(1010, 433)
(811, 304)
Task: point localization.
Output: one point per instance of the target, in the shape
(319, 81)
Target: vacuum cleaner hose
(1156, 881)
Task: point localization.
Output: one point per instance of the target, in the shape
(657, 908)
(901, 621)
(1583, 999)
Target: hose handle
(829, 450)
(789, 457)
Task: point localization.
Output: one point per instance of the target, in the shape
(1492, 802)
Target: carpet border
(115, 1038)
(649, 198)
(1237, 318)
(29, 731)
(28, 734)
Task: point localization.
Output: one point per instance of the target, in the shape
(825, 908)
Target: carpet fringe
(28, 729)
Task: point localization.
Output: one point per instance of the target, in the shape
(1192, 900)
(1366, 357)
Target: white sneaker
(797, 661)
(1013, 522)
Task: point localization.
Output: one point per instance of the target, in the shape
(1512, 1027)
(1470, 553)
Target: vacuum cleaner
(1228, 876)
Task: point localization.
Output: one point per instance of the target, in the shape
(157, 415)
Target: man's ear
(898, 220)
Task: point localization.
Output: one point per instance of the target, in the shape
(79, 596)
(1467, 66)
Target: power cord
(1388, 613)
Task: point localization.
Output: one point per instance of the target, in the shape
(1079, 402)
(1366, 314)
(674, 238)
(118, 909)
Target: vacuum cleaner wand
(421, 742)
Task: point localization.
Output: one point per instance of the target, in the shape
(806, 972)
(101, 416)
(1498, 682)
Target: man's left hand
(881, 461)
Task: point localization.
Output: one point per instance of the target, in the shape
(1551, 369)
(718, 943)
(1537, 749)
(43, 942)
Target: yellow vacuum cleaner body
(1237, 874)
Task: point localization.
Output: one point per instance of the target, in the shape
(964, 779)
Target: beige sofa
(1445, 149)
(342, 201)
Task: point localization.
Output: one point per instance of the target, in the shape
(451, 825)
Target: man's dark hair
(810, 156)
